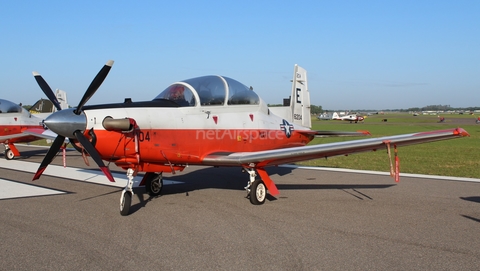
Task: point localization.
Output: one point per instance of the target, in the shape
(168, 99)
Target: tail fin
(42, 106)
(62, 98)
(300, 99)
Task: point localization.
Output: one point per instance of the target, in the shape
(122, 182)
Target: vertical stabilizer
(300, 99)
(62, 98)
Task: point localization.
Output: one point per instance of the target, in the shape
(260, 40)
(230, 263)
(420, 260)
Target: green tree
(316, 109)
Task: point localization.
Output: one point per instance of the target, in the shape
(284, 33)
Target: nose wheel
(125, 203)
(127, 193)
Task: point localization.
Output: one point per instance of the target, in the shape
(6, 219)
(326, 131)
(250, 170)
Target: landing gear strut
(256, 189)
(127, 193)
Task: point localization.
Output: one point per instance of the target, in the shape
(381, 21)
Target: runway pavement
(322, 220)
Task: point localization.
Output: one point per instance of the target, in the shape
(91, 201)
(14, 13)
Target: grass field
(458, 157)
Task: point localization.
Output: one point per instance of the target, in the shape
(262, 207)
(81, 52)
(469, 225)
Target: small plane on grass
(18, 125)
(208, 120)
(351, 117)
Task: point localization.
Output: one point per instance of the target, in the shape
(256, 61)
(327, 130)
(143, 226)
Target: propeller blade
(97, 81)
(57, 143)
(47, 90)
(94, 154)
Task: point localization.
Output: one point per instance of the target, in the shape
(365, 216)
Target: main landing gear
(10, 151)
(153, 183)
(9, 155)
(256, 189)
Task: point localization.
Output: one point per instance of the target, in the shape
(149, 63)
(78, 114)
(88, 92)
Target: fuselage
(184, 135)
(185, 122)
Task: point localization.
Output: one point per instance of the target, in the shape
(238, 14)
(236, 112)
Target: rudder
(300, 99)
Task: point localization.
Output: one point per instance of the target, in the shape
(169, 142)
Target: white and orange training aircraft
(209, 120)
(17, 125)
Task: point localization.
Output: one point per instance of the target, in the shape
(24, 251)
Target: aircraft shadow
(233, 179)
(473, 199)
(471, 218)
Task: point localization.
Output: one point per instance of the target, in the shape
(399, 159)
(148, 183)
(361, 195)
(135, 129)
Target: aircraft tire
(154, 184)
(125, 203)
(258, 192)
(9, 154)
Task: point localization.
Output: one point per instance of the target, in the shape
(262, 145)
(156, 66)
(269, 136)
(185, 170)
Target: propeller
(47, 90)
(72, 122)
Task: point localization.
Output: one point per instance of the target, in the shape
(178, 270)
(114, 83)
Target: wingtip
(110, 63)
(461, 132)
(365, 132)
(35, 73)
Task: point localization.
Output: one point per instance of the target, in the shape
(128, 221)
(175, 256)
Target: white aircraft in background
(18, 125)
(351, 117)
(325, 116)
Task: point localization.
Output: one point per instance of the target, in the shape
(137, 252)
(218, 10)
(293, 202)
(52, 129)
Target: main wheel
(125, 203)
(154, 184)
(258, 192)
(9, 154)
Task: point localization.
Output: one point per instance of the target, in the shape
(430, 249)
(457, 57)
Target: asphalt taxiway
(322, 220)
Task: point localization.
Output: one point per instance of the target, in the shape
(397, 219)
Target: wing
(37, 132)
(288, 155)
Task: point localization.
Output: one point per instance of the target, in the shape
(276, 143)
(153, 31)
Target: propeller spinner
(72, 122)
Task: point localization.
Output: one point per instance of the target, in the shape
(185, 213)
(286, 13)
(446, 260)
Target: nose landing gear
(127, 193)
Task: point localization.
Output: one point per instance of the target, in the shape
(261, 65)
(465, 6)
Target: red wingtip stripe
(364, 132)
(461, 132)
(39, 173)
(457, 132)
(107, 173)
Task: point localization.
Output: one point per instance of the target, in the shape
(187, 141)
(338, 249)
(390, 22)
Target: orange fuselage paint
(157, 146)
(7, 130)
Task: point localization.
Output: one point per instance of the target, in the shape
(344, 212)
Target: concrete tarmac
(321, 220)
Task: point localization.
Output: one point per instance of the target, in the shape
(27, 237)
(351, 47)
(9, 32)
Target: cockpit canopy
(9, 107)
(211, 90)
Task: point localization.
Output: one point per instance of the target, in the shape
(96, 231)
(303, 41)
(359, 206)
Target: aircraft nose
(66, 122)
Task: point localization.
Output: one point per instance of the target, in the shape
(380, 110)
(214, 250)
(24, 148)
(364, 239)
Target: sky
(358, 54)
